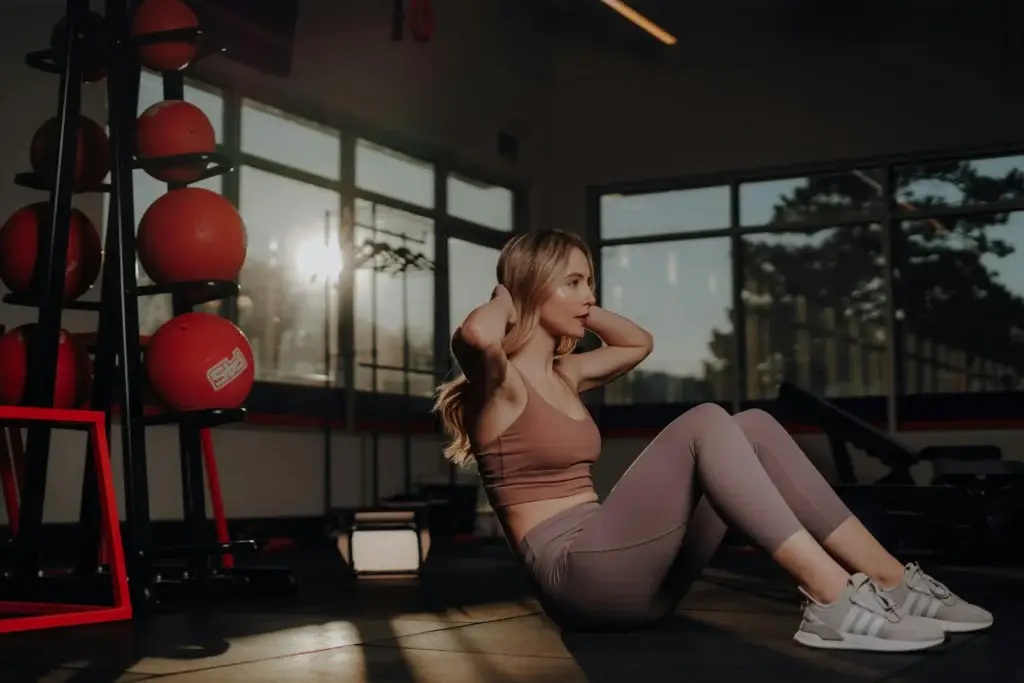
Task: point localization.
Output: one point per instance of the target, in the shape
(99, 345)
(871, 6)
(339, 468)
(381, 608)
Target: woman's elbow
(475, 336)
(648, 345)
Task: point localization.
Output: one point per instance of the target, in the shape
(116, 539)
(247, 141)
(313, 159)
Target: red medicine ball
(191, 234)
(170, 128)
(92, 160)
(74, 369)
(200, 361)
(156, 16)
(19, 242)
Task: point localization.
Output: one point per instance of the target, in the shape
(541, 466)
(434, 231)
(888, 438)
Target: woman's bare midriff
(519, 520)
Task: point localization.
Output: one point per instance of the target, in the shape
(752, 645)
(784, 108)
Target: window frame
(895, 409)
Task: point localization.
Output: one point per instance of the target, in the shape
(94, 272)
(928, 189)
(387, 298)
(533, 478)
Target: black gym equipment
(118, 384)
(967, 513)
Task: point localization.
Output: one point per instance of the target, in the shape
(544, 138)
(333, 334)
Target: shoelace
(917, 579)
(875, 596)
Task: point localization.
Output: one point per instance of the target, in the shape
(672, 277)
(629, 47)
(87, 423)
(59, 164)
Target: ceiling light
(641, 21)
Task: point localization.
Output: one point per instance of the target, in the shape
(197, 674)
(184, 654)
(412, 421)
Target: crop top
(543, 454)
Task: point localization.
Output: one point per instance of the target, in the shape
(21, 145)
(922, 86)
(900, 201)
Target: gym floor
(472, 619)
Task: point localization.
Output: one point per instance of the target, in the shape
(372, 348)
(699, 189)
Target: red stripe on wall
(418, 427)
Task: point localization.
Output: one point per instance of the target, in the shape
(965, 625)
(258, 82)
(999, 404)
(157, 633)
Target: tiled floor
(473, 621)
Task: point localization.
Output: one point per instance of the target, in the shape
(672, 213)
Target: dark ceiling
(592, 21)
(699, 24)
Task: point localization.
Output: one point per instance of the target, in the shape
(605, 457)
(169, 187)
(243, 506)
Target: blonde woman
(628, 560)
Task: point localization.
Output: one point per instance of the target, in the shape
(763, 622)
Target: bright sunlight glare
(317, 261)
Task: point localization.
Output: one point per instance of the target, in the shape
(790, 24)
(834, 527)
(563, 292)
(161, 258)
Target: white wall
(264, 472)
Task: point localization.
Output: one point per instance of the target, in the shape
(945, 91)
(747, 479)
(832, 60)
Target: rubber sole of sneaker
(864, 643)
(962, 626)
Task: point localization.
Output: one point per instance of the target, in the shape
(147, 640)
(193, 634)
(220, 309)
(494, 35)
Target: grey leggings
(631, 559)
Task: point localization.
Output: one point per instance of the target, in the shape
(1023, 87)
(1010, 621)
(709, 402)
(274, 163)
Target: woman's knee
(756, 420)
(699, 419)
(688, 431)
(709, 412)
(769, 438)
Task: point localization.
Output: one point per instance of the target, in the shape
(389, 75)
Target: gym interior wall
(449, 108)
(451, 201)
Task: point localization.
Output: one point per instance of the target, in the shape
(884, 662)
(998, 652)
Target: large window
(845, 290)
(681, 292)
(277, 137)
(669, 269)
(815, 312)
(664, 213)
(289, 283)
(811, 198)
(394, 305)
(292, 179)
(474, 268)
(975, 183)
(290, 193)
(487, 205)
(389, 173)
(290, 286)
(961, 276)
(394, 310)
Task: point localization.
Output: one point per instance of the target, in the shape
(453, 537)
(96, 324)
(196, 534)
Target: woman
(628, 560)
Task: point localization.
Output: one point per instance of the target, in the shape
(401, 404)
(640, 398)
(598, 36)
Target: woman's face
(564, 313)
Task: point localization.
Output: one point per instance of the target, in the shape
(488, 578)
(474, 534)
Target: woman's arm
(477, 342)
(626, 344)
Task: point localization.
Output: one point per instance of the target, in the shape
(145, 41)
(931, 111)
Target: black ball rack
(118, 386)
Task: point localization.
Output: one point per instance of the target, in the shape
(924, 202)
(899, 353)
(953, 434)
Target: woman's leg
(815, 502)
(651, 531)
(822, 513)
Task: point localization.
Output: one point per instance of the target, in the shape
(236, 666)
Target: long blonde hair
(529, 267)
